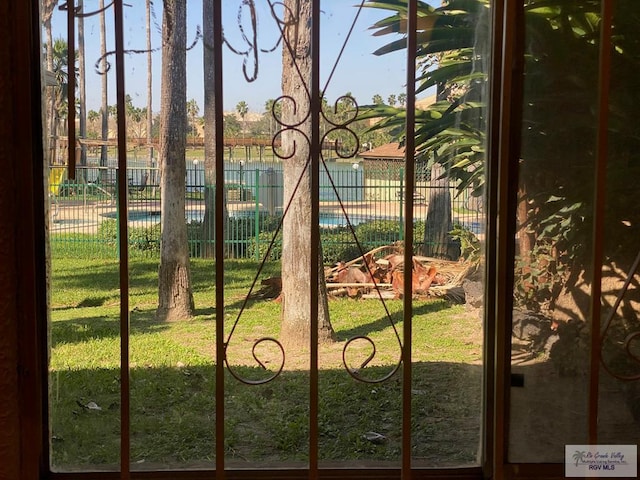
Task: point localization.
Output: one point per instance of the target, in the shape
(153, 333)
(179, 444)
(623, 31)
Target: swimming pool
(327, 219)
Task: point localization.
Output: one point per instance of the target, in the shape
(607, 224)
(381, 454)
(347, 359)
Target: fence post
(257, 219)
(401, 203)
(117, 218)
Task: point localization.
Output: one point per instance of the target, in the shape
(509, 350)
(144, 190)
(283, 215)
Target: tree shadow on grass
(384, 322)
(173, 417)
(85, 328)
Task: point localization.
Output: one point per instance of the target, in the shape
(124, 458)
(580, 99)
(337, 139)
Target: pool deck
(85, 217)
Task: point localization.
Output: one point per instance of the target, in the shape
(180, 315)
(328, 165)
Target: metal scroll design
(292, 126)
(337, 125)
(252, 49)
(102, 65)
(630, 338)
(232, 371)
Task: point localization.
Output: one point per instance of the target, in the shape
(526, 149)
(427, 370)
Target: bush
(145, 239)
(338, 244)
(260, 247)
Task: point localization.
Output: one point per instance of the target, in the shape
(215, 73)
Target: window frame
(30, 276)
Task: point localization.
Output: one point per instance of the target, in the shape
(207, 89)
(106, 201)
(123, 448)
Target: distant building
(387, 162)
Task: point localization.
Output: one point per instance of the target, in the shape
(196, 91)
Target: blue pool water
(327, 219)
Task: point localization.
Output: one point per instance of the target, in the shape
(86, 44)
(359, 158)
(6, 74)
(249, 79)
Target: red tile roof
(387, 151)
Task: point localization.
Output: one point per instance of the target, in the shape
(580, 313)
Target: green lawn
(173, 376)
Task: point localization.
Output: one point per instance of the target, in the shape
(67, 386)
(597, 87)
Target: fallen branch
(357, 285)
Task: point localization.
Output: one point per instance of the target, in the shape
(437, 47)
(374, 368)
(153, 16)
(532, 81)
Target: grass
(173, 377)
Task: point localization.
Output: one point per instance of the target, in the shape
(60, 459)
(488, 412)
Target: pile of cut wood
(380, 272)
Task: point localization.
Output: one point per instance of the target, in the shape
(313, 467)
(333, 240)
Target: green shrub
(261, 247)
(108, 231)
(470, 247)
(146, 239)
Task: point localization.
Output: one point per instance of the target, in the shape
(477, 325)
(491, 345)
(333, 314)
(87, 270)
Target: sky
(359, 71)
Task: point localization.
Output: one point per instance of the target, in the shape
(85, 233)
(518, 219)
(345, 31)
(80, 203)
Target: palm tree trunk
(296, 251)
(208, 223)
(47, 11)
(82, 91)
(175, 297)
(149, 93)
(104, 107)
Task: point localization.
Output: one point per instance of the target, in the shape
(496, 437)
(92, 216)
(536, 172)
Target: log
(352, 285)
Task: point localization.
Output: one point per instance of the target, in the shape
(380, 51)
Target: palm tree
(47, 9)
(192, 111)
(104, 105)
(457, 102)
(149, 86)
(554, 215)
(242, 108)
(578, 456)
(135, 118)
(392, 100)
(175, 297)
(209, 65)
(92, 118)
(82, 91)
(59, 92)
(272, 109)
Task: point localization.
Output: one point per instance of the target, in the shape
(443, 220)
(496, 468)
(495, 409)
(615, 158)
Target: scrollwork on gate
(338, 120)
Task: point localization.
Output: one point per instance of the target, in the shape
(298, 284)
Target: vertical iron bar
(508, 137)
(256, 229)
(493, 139)
(599, 198)
(412, 15)
(315, 237)
(71, 89)
(219, 237)
(124, 252)
(402, 205)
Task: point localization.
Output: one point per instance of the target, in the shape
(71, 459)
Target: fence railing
(84, 211)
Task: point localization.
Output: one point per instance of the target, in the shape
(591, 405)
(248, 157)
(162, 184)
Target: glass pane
(172, 296)
(84, 298)
(619, 408)
(450, 234)
(359, 405)
(553, 272)
(170, 190)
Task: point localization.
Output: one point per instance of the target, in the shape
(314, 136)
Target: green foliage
(538, 277)
(231, 126)
(339, 244)
(144, 239)
(470, 246)
(559, 122)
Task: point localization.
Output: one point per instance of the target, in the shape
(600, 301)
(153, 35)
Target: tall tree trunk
(438, 242)
(48, 6)
(104, 106)
(82, 90)
(149, 87)
(175, 298)
(296, 251)
(208, 59)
